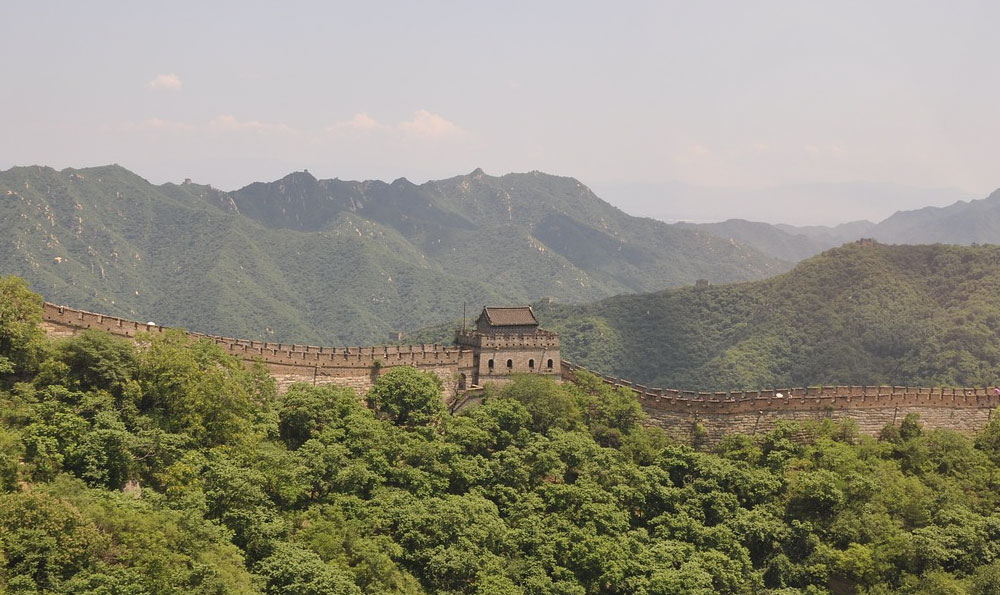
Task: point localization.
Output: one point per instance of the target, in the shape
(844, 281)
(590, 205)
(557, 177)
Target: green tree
(195, 388)
(22, 341)
(550, 405)
(294, 570)
(407, 396)
(44, 541)
(305, 410)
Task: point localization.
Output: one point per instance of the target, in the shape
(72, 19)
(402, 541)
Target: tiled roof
(522, 316)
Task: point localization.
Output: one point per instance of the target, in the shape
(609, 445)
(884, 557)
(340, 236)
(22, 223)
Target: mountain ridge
(864, 313)
(963, 222)
(336, 262)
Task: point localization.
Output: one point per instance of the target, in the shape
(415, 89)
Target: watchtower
(508, 341)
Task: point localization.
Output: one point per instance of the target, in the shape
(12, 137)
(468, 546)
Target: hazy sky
(724, 94)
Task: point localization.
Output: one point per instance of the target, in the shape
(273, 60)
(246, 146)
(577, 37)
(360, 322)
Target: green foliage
(197, 389)
(306, 410)
(331, 262)
(407, 396)
(859, 314)
(548, 404)
(21, 338)
(63, 537)
(293, 570)
(168, 467)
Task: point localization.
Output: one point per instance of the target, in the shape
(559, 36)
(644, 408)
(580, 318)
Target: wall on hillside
(355, 367)
(704, 418)
(694, 417)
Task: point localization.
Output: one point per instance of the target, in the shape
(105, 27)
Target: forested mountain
(865, 313)
(336, 262)
(174, 469)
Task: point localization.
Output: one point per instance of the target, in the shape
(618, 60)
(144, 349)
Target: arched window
(531, 364)
(510, 364)
(550, 364)
(489, 364)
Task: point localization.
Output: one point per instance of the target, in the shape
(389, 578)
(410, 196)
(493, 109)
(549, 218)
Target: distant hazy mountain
(858, 314)
(337, 262)
(784, 243)
(963, 223)
(794, 204)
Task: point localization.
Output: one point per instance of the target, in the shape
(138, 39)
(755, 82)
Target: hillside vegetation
(333, 262)
(171, 468)
(860, 314)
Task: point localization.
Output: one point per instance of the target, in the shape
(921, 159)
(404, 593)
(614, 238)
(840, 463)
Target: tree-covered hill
(170, 468)
(861, 314)
(334, 262)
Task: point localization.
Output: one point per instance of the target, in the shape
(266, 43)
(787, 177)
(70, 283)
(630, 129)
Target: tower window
(531, 364)
(550, 364)
(510, 364)
(490, 365)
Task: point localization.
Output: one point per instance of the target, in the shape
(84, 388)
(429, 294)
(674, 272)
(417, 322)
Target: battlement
(71, 320)
(458, 366)
(538, 339)
(74, 320)
(803, 398)
(482, 357)
(707, 416)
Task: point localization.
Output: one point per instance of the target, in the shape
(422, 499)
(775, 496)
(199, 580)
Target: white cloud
(760, 146)
(167, 125)
(229, 123)
(165, 82)
(360, 121)
(427, 125)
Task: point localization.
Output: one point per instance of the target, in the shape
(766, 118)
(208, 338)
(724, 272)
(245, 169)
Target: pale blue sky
(725, 94)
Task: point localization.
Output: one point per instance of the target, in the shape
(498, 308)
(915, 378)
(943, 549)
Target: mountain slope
(861, 314)
(335, 262)
(559, 233)
(784, 243)
(962, 223)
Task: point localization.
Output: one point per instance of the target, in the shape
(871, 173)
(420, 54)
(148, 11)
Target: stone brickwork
(355, 367)
(706, 417)
(701, 417)
(500, 356)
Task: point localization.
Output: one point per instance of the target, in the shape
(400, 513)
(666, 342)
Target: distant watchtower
(508, 341)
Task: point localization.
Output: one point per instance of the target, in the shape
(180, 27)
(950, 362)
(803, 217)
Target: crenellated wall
(704, 418)
(356, 367)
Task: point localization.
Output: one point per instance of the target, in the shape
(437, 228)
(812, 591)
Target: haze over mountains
(789, 204)
(334, 262)
(962, 223)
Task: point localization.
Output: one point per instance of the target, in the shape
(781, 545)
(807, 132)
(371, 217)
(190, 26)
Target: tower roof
(519, 316)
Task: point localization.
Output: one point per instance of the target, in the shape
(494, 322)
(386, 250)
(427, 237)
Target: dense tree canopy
(166, 466)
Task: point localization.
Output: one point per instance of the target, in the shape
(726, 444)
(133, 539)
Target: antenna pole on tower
(463, 317)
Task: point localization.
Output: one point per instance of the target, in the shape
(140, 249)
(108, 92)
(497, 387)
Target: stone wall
(707, 417)
(527, 353)
(701, 417)
(355, 367)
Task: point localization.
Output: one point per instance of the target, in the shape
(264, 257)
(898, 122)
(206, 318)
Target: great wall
(512, 343)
